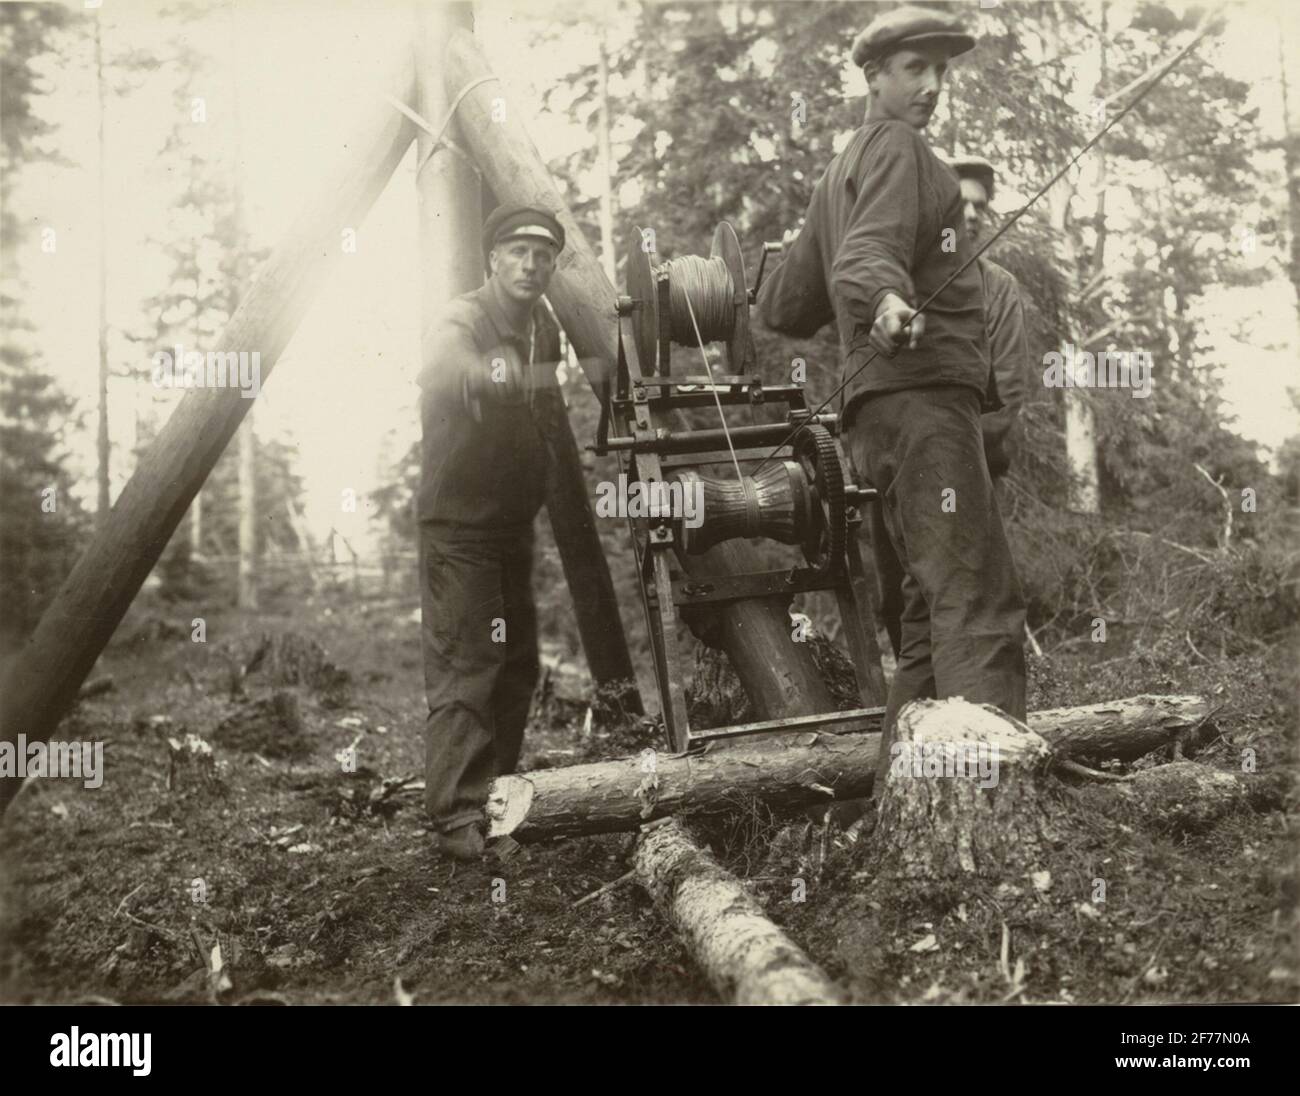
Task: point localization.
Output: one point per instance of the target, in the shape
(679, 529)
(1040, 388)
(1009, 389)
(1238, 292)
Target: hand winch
(803, 496)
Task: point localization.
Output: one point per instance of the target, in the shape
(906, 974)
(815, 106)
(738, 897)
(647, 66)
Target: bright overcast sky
(303, 67)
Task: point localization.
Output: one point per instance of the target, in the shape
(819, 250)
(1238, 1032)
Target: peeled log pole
(784, 771)
(43, 680)
(778, 674)
(745, 956)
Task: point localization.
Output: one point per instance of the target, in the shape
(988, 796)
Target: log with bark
(1114, 730)
(746, 957)
(1123, 730)
(784, 771)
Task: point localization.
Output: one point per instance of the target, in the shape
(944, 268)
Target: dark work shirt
(487, 476)
(1004, 321)
(876, 224)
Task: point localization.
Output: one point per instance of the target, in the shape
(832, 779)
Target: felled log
(784, 771)
(746, 957)
(1127, 729)
(608, 796)
(1117, 729)
(966, 795)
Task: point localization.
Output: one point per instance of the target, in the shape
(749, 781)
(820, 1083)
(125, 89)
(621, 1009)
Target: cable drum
(702, 286)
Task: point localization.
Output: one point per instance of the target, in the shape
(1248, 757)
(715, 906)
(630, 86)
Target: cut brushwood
(788, 771)
(746, 957)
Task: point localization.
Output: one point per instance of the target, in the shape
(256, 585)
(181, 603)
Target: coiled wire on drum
(707, 284)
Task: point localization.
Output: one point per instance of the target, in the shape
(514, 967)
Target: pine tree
(41, 523)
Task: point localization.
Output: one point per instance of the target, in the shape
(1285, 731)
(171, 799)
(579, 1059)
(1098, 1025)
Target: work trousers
(479, 636)
(961, 624)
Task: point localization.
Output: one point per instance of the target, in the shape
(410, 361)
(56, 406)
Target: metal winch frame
(799, 464)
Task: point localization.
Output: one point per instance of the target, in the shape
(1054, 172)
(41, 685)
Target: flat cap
(910, 27)
(509, 222)
(972, 167)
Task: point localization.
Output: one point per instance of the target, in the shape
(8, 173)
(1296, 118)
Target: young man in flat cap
(1004, 324)
(483, 479)
(884, 230)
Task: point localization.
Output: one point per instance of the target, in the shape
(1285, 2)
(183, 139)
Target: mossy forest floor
(320, 885)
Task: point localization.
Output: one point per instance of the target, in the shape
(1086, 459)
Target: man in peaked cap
(1004, 324)
(884, 231)
(483, 479)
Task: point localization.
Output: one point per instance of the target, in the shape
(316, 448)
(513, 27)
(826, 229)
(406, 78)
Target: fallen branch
(612, 885)
(1066, 765)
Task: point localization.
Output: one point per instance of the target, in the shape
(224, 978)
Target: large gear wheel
(825, 540)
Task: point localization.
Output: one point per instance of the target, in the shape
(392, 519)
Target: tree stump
(273, 727)
(286, 658)
(966, 796)
(192, 766)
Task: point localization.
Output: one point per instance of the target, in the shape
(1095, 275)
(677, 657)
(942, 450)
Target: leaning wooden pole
(43, 679)
(778, 674)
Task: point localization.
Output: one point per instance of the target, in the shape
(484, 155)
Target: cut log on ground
(966, 795)
(745, 956)
(1115, 730)
(784, 771)
(609, 796)
(1126, 729)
